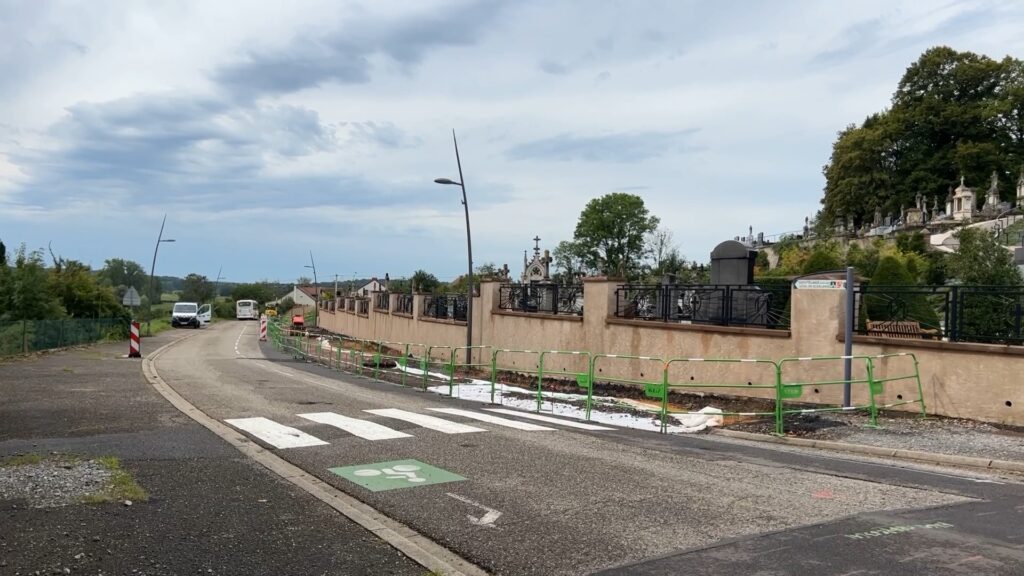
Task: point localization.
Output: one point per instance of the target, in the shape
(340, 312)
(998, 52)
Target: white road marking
(239, 340)
(425, 421)
(277, 435)
(362, 428)
(489, 517)
(493, 419)
(532, 416)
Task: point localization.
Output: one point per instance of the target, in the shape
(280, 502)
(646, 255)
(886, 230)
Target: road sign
(821, 284)
(131, 297)
(396, 474)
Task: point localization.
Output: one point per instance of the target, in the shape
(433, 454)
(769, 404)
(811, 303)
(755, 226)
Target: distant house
(304, 296)
(372, 286)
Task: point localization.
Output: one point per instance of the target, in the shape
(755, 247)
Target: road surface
(515, 495)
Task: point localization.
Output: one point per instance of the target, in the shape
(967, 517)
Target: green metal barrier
(580, 374)
(792, 389)
(467, 368)
(879, 383)
(437, 356)
(762, 375)
(518, 361)
(602, 366)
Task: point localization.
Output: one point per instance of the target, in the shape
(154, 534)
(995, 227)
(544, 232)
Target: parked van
(190, 314)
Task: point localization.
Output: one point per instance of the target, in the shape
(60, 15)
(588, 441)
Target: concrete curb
(417, 547)
(915, 455)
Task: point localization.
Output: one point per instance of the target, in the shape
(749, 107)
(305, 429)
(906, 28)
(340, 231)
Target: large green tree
(261, 292)
(120, 274)
(610, 233)
(197, 288)
(953, 114)
(981, 260)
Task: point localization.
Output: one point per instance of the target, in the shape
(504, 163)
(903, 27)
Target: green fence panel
(24, 336)
(792, 387)
(479, 360)
(572, 362)
(734, 375)
(645, 372)
(881, 375)
(526, 362)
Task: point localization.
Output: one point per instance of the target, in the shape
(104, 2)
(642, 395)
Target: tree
(28, 291)
(568, 260)
(120, 274)
(423, 281)
(823, 257)
(663, 255)
(953, 114)
(610, 233)
(82, 295)
(304, 281)
(197, 288)
(981, 260)
(261, 292)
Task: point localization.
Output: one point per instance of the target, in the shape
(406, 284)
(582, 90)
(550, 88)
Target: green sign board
(877, 387)
(792, 390)
(583, 380)
(396, 474)
(654, 390)
(403, 361)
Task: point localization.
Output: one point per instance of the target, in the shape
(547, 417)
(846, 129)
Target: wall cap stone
(966, 347)
(542, 316)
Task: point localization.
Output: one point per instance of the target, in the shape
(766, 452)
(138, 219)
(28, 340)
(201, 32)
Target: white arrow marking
(487, 519)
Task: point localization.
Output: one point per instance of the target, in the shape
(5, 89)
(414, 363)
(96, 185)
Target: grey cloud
(382, 134)
(343, 56)
(554, 68)
(622, 147)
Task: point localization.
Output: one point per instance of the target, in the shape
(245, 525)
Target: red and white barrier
(263, 327)
(134, 344)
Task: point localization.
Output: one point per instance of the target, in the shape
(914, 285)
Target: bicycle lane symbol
(395, 474)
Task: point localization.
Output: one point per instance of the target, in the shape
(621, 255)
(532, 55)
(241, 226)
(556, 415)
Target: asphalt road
(568, 501)
(210, 511)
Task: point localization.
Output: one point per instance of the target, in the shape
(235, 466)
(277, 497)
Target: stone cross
(536, 244)
(917, 200)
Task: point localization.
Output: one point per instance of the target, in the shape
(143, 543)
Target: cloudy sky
(266, 130)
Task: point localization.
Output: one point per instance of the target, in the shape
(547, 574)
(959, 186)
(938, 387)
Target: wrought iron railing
(542, 298)
(403, 304)
(986, 314)
(762, 306)
(445, 306)
(382, 301)
(363, 306)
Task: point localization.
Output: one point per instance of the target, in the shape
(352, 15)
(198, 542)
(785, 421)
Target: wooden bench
(905, 329)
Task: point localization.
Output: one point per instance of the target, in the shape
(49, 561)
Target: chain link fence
(25, 336)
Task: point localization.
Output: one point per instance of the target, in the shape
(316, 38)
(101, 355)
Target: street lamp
(316, 290)
(152, 268)
(216, 289)
(469, 252)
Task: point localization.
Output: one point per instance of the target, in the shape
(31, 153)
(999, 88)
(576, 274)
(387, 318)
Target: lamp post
(316, 290)
(152, 269)
(469, 252)
(216, 290)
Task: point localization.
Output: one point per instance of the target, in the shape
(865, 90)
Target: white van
(190, 314)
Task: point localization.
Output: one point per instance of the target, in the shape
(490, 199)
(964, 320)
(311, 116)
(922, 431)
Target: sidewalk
(966, 442)
(209, 510)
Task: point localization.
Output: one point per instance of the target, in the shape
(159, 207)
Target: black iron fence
(445, 307)
(761, 306)
(403, 304)
(987, 314)
(542, 298)
(382, 301)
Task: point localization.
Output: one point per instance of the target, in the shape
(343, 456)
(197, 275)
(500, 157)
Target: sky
(265, 131)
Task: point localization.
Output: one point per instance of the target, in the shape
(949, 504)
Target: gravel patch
(904, 431)
(52, 482)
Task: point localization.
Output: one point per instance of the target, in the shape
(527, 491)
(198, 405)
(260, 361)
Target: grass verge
(21, 460)
(121, 485)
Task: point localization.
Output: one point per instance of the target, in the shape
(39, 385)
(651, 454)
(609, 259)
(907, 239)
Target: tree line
(953, 114)
(33, 289)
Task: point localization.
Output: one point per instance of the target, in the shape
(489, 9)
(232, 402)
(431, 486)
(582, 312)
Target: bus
(247, 310)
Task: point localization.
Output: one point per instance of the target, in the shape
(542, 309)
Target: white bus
(247, 310)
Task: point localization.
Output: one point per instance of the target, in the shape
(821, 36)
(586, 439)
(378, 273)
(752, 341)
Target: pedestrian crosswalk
(282, 436)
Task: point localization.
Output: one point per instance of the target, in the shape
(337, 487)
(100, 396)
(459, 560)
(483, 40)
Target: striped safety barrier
(134, 343)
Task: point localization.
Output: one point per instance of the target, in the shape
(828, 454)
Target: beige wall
(961, 380)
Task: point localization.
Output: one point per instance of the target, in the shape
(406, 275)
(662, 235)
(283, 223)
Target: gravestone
(732, 264)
